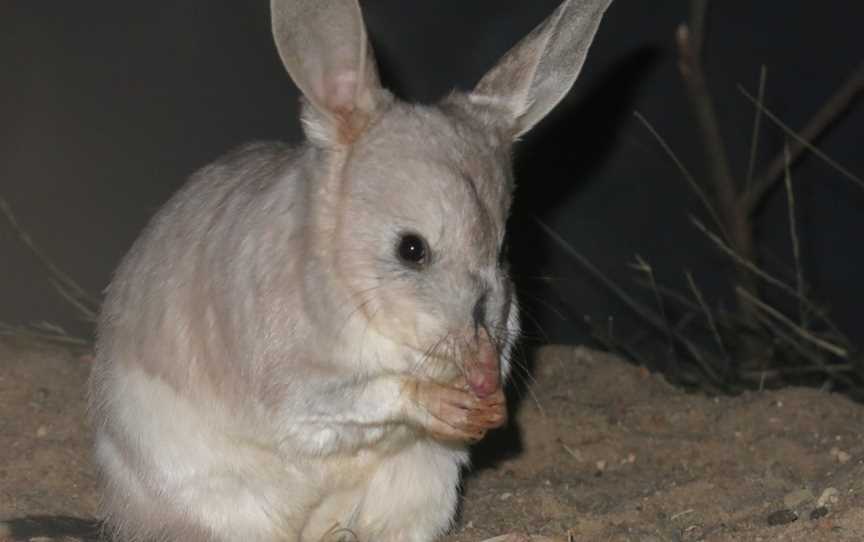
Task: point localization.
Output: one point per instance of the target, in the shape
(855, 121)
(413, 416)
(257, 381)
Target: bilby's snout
(482, 366)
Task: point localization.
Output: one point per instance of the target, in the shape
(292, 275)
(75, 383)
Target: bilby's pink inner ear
(483, 370)
(324, 47)
(344, 88)
(539, 70)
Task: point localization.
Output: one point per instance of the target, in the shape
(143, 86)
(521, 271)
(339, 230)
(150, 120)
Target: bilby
(305, 340)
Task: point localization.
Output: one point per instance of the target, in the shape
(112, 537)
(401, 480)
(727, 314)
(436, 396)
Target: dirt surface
(45, 465)
(601, 450)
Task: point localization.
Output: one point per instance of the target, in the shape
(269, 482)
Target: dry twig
(756, 270)
(757, 125)
(838, 104)
(688, 176)
(805, 334)
(796, 244)
(647, 314)
(44, 332)
(87, 305)
(697, 293)
(690, 40)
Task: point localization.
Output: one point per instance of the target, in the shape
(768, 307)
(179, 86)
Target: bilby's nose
(483, 367)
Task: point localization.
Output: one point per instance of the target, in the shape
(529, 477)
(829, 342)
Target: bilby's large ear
(535, 74)
(323, 46)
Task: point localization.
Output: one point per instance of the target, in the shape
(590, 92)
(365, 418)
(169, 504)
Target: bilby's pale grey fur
(268, 368)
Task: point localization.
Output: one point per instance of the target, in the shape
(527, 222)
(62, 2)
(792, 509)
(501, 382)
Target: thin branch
(686, 303)
(796, 244)
(756, 270)
(697, 293)
(698, 16)
(838, 351)
(608, 340)
(690, 39)
(804, 351)
(642, 266)
(86, 304)
(89, 314)
(691, 180)
(648, 315)
(44, 332)
(786, 371)
(757, 127)
(832, 110)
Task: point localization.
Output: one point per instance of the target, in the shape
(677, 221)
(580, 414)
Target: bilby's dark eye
(412, 250)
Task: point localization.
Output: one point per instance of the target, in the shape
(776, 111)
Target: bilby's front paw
(454, 412)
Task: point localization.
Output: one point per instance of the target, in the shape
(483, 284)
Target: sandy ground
(600, 450)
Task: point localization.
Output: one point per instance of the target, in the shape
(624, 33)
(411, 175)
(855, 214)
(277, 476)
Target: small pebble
(829, 496)
(505, 496)
(782, 517)
(797, 498)
(840, 455)
(39, 397)
(820, 512)
(41, 431)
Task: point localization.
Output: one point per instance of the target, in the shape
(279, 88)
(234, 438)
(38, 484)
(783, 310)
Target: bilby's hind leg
(213, 505)
(182, 472)
(216, 517)
(412, 496)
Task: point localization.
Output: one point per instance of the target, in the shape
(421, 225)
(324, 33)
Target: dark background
(106, 107)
